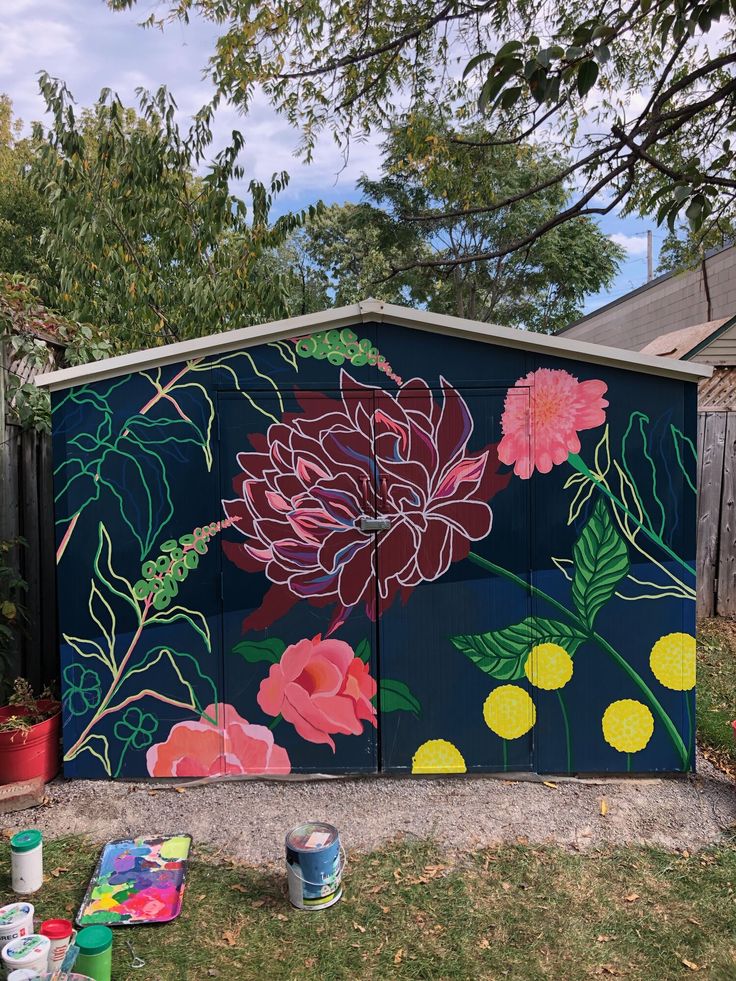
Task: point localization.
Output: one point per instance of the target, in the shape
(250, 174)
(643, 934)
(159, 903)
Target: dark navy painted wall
(530, 606)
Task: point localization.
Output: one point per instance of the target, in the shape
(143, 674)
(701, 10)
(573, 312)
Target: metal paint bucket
(315, 862)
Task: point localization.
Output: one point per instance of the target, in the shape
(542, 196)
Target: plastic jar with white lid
(26, 861)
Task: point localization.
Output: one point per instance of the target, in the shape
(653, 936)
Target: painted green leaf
(363, 650)
(601, 562)
(502, 653)
(253, 651)
(396, 697)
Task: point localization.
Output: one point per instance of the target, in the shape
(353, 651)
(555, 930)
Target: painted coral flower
(322, 688)
(203, 749)
(559, 407)
(303, 489)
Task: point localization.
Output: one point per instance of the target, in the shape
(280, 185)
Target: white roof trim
(368, 311)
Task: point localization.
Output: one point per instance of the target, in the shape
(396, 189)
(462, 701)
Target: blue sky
(90, 47)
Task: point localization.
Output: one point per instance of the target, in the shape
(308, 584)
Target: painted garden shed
(376, 539)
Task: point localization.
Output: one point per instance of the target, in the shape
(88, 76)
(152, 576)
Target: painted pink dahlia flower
(560, 407)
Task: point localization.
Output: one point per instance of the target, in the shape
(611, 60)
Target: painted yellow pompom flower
(548, 666)
(673, 661)
(438, 756)
(509, 711)
(627, 725)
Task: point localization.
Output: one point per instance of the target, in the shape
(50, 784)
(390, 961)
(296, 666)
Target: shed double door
(348, 541)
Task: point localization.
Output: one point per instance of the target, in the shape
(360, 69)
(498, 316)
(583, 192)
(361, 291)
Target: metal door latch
(374, 524)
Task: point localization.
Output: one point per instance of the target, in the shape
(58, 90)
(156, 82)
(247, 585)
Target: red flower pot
(24, 755)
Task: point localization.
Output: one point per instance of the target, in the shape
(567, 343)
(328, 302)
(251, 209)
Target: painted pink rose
(310, 478)
(560, 407)
(202, 749)
(322, 688)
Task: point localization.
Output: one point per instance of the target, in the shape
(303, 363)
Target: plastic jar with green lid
(95, 952)
(26, 861)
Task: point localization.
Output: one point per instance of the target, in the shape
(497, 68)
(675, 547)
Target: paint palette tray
(138, 881)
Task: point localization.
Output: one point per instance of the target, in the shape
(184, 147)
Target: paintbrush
(67, 964)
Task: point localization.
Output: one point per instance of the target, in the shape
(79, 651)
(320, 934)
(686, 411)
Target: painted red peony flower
(560, 407)
(202, 749)
(322, 688)
(305, 486)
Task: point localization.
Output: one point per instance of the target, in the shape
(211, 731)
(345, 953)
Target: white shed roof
(371, 311)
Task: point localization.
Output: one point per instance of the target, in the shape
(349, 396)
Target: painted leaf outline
(396, 697)
(253, 651)
(502, 653)
(363, 651)
(601, 562)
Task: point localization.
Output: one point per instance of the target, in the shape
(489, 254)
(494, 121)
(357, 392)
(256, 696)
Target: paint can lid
(25, 949)
(312, 837)
(94, 939)
(26, 841)
(56, 929)
(14, 912)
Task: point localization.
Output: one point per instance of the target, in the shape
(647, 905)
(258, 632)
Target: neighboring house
(668, 303)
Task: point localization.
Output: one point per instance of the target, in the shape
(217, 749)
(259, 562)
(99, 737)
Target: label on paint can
(314, 866)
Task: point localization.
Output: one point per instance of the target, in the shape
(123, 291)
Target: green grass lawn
(411, 911)
(717, 690)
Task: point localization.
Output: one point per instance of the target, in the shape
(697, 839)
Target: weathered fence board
(726, 586)
(711, 452)
(26, 512)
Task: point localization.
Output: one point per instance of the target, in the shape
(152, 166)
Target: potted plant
(29, 734)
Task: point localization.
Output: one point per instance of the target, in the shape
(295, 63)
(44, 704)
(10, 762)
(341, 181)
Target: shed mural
(375, 548)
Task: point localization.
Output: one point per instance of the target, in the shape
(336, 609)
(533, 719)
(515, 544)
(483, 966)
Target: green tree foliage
(684, 249)
(641, 94)
(372, 248)
(23, 212)
(148, 237)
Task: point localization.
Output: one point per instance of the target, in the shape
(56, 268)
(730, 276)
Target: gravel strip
(247, 820)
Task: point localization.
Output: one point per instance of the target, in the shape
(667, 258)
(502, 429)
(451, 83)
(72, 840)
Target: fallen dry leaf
(603, 938)
(505, 886)
(385, 909)
(257, 903)
(310, 962)
(550, 784)
(604, 807)
(357, 926)
(230, 938)
(399, 955)
(238, 888)
(484, 944)
(397, 875)
(280, 916)
(57, 872)
(180, 790)
(691, 964)
(632, 897)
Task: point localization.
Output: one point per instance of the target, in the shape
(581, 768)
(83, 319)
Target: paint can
(315, 862)
(26, 861)
(16, 920)
(95, 952)
(61, 935)
(31, 952)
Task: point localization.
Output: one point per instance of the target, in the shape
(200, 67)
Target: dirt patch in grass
(717, 691)
(413, 910)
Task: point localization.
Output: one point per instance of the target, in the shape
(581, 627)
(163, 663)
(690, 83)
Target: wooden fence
(26, 511)
(716, 514)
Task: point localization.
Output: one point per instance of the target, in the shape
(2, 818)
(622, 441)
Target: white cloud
(634, 245)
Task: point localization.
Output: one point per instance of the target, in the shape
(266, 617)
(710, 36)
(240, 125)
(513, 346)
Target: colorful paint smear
(137, 880)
